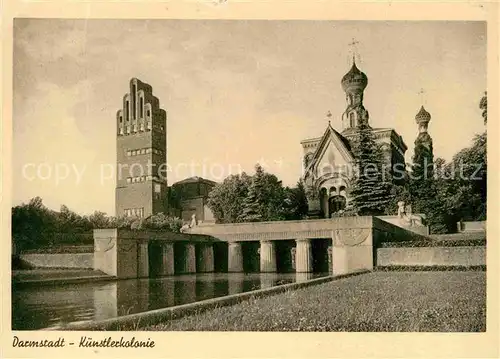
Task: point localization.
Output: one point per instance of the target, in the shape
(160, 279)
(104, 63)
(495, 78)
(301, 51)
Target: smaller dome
(354, 79)
(423, 115)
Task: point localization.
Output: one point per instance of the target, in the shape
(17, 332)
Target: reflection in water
(51, 306)
(302, 277)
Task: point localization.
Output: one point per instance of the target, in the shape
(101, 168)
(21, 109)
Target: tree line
(36, 226)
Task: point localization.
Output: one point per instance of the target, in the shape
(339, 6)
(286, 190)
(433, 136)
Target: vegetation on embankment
(380, 301)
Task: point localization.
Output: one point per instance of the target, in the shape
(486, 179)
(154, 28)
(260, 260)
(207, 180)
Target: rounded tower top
(354, 79)
(423, 116)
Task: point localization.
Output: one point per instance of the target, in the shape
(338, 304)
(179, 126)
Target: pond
(38, 307)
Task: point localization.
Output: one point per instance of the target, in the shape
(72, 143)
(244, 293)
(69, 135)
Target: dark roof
(345, 141)
(195, 179)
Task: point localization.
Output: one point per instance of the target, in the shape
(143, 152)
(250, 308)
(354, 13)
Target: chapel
(328, 159)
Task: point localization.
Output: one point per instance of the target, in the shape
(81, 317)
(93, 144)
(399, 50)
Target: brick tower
(141, 153)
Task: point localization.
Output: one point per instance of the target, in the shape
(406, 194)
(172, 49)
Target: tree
(483, 105)
(163, 223)
(225, 200)
(370, 193)
(296, 206)
(468, 186)
(457, 190)
(265, 200)
(422, 172)
(99, 220)
(33, 225)
(252, 203)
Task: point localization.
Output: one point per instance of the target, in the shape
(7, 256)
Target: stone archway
(332, 193)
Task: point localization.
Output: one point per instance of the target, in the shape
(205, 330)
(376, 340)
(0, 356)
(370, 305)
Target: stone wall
(432, 256)
(387, 232)
(423, 230)
(471, 226)
(117, 251)
(59, 260)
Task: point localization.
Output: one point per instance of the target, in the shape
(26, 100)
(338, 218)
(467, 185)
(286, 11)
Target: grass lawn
(380, 301)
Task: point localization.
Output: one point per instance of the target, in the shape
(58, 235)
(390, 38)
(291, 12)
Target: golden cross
(353, 48)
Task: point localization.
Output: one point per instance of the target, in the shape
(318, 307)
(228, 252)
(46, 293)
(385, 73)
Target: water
(51, 306)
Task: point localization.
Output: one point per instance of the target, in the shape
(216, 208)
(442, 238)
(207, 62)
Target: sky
(236, 93)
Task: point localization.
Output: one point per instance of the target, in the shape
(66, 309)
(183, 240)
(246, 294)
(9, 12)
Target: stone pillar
(142, 260)
(190, 264)
(303, 259)
(167, 259)
(267, 256)
(330, 258)
(293, 256)
(352, 250)
(207, 258)
(327, 206)
(234, 257)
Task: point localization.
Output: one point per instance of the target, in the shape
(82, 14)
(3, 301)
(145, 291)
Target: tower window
(352, 122)
(141, 107)
(127, 109)
(121, 119)
(149, 113)
(133, 100)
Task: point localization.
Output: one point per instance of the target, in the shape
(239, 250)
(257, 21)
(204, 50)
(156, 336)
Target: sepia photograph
(230, 175)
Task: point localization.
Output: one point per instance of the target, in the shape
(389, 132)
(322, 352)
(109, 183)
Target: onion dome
(423, 116)
(354, 79)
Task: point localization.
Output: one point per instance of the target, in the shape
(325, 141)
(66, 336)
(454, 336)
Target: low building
(190, 197)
